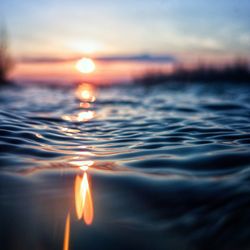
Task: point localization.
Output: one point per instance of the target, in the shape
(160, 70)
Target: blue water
(169, 167)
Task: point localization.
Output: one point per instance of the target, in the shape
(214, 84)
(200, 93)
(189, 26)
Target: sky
(188, 30)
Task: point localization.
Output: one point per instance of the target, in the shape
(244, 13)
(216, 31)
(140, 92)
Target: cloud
(45, 59)
(201, 43)
(245, 39)
(139, 58)
(144, 58)
(207, 43)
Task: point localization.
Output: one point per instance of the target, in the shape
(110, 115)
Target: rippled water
(164, 167)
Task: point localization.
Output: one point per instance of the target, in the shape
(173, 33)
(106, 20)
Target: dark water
(168, 167)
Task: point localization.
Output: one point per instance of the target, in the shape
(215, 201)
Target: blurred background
(124, 38)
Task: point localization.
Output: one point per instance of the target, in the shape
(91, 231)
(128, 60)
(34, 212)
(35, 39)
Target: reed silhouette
(237, 72)
(6, 62)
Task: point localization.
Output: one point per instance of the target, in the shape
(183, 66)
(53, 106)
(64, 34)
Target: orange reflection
(83, 165)
(66, 233)
(85, 115)
(82, 116)
(84, 105)
(83, 199)
(85, 92)
(83, 196)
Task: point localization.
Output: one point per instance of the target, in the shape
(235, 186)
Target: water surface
(132, 167)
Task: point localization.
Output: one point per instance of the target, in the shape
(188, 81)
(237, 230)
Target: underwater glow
(66, 233)
(83, 199)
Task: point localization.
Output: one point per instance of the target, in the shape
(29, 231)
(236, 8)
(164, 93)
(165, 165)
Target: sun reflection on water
(83, 165)
(67, 233)
(84, 206)
(85, 93)
(82, 116)
(83, 199)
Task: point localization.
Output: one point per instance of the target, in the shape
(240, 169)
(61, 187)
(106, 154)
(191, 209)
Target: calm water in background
(168, 167)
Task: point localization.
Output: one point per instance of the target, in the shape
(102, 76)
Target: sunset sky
(187, 30)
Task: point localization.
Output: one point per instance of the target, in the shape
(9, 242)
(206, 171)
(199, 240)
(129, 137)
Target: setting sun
(85, 65)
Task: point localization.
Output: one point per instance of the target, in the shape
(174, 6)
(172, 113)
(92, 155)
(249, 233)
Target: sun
(85, 65)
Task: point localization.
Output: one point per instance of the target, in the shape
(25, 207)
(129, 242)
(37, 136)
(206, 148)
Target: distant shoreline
(238, 72)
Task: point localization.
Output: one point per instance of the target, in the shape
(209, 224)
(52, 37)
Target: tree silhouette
(6, 62)
(237, 72)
